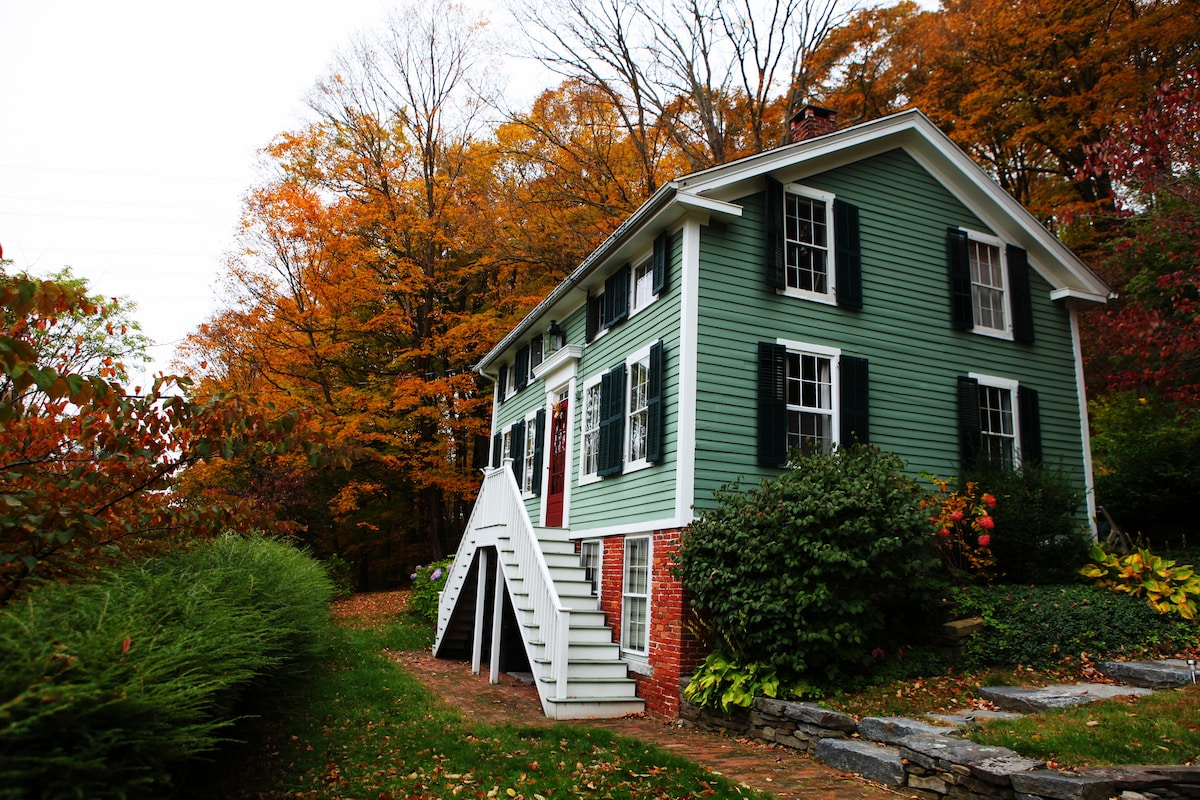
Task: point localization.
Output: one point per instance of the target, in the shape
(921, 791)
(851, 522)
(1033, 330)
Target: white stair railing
(499, 514)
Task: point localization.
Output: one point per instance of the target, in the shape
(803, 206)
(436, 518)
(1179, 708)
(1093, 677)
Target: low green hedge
(1037, 626)
(107, 686)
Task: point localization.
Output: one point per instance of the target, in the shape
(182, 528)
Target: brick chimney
(811, 122)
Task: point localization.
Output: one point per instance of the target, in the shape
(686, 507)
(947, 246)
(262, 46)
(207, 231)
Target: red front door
(558, 466)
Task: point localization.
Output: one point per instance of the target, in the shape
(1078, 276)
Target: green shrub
(726, 682)
(108, 686)
(1147, 473)
(812, 570)
(427, 584)
(1038, 537)
(1037, 626)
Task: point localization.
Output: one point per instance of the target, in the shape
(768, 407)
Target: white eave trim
(717, 208)
(1080, 296)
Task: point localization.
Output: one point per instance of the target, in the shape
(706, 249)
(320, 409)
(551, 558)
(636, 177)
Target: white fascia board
(707, 205)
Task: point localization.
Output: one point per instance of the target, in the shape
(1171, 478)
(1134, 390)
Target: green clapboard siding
(903, 330)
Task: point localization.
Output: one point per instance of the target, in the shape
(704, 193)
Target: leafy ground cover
(365, 728)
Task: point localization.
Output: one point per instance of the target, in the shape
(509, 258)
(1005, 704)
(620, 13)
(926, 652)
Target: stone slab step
(973, 716)
(875, 762)
(1032, 700)
(890, 730)
(1169, 673)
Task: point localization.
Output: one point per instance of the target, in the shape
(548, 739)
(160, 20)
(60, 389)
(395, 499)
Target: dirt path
(748, 762)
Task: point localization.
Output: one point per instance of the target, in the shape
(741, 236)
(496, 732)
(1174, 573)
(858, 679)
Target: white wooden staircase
(576, 665)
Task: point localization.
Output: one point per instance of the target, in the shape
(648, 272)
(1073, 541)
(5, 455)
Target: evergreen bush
(108, 686)
(1037, 626)
(812, 571)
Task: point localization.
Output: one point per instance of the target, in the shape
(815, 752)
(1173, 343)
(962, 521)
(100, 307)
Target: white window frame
(834, 356)
(646, 268)
(631, 600)
(829, 295)
(592, 562)
(1012, 387)
(590, 385)
(974, 239)
(640, 358)
(527, 455)
(506, 445)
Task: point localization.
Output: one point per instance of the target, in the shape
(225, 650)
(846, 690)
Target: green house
(868, 284)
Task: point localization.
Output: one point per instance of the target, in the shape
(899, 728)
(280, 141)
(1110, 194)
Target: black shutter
(1022, 300)
(497, 444)
(517, 450)
(772, 404)
(612, 422)
(616, 297)
(654, 404)
(773, 227)
(502, 382)
(1030, 421)
(592, 317)
(856, 404)
(662, 244)
(847, 254)
(521, 368)
(970, 437)
(537, 351)
(958, 259)
(539, 444)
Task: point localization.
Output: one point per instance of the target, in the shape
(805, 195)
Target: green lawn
(361, 727)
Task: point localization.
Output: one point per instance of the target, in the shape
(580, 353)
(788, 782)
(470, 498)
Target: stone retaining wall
(927, 762)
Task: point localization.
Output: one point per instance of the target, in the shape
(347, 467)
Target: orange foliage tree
(87, 466)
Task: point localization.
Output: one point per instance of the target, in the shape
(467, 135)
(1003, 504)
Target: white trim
(564, 360)
(718, 208)
(685, 427)
(634, 265)
(599, 543)
(1089, 480)
(551, 399)
(527, 454)
(629, 529)
(1013, 386)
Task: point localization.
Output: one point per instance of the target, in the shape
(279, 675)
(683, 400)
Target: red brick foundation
(675, 648)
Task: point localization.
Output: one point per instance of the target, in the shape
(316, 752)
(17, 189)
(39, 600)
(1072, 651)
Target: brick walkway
(782, 773)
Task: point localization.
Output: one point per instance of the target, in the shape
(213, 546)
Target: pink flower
(957, 516)
(987, 523)
(989, 501)
(984, 539)
(944, 533)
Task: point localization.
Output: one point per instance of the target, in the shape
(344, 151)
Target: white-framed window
(643, 285)
(528, 455)
(639, 377)
(589, 558)
(988, 302)
(812, 397)
(506, 446)
(635, 596)
(590, 439)
(808, 243)
(999, 425)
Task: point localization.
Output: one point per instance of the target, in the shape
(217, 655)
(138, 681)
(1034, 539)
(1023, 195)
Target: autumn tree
(369, 280)
(87, 465)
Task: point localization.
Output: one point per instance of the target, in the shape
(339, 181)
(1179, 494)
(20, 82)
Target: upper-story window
(812, 245)
(989, 286)
(628, 290)
(806, 236)
(589, 459)
(531, 456)
(639, 379)
(622, 423)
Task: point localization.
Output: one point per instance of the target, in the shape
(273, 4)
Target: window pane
(987, 286)
(591, 429)
(996, 423)
(807, 242)
(639, 374)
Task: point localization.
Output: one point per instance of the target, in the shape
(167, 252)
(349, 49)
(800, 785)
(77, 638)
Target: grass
(362, 727)
(1162, 728)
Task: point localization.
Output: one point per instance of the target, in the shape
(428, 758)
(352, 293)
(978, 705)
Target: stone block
(874, 762)
(1032, 700)
(930, 783)
(991, 764)
(890, 730)
(962, 628)
(1166, 673)
(807, 713)
(1055, 785)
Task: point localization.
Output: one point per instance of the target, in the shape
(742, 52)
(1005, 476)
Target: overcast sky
(130, 130)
